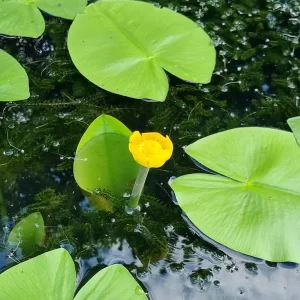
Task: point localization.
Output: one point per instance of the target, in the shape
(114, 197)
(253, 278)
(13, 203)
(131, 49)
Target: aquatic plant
(23, 17)
(251, 202)
(150, 150)
(102, 158)
(125, 46)
(52, 275)
(14, 84)
(294, 123)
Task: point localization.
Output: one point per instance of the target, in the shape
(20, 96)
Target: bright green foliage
(111, 283)
(27, 234)
(103, 160)
(23, 17)
(52, 275)
(125, 46)
(294, 123)
(13, 79)
(254, 207)
(48, 276)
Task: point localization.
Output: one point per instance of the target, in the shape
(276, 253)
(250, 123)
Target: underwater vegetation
(67, 172)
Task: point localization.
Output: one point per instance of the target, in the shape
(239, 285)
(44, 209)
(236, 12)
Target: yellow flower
(150, 149)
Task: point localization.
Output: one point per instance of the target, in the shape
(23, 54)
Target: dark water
(256, 83)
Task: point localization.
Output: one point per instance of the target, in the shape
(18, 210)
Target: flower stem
(138, 187)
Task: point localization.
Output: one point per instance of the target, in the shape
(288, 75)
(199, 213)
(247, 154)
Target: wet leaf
(27, 234)
(125, 46)
(254, 207)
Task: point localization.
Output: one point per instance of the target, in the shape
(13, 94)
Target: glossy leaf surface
(103, 159)
(13, 79)
(111, 283)
(48, 276)
(125, 46)
(255, 207)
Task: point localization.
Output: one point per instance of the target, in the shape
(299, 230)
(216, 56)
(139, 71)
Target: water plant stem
(138, 187)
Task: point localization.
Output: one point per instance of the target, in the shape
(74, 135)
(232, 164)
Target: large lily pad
(103, 160)
(125, 46)
(51, 276)
(111, 283)
(14, 83)
(294, 123)
(48, 276)
(254, 207)
(23, 17)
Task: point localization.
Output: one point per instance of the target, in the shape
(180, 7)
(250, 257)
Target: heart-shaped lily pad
(23, 17)
(254, 207)
(125, 46)
(13, 79)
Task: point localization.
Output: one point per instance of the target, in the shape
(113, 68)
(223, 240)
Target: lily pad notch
(254, 205)
(125, 47)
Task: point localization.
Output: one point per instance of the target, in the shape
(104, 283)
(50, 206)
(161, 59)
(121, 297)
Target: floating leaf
(23, 18)
(103, 124)
(13, 79)
(111, 283)
(52, 276)
(255, 207)
(125, 46)
(48, 276)
(103, 159)
(28, 233)
(294, 123)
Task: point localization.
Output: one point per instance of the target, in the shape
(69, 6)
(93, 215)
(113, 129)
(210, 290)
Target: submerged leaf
(28, 233)
(111, 283)
(255, 207)
(13, 79)
(125, 46)
(48, 276)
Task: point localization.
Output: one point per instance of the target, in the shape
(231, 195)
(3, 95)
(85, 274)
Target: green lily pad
(125, 46)
(111, 283)
(103, 124)
(294, 123)
(254, 207)
(14, 83)
(27, 234)
(52, 275)
(48, 276)
(103, 160)
(23, 17)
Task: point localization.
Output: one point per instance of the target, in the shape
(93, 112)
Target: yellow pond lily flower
(150, 149)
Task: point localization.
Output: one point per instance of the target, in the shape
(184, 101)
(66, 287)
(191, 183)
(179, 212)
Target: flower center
(151, 148)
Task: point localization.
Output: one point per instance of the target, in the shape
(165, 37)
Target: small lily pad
(27, 234)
